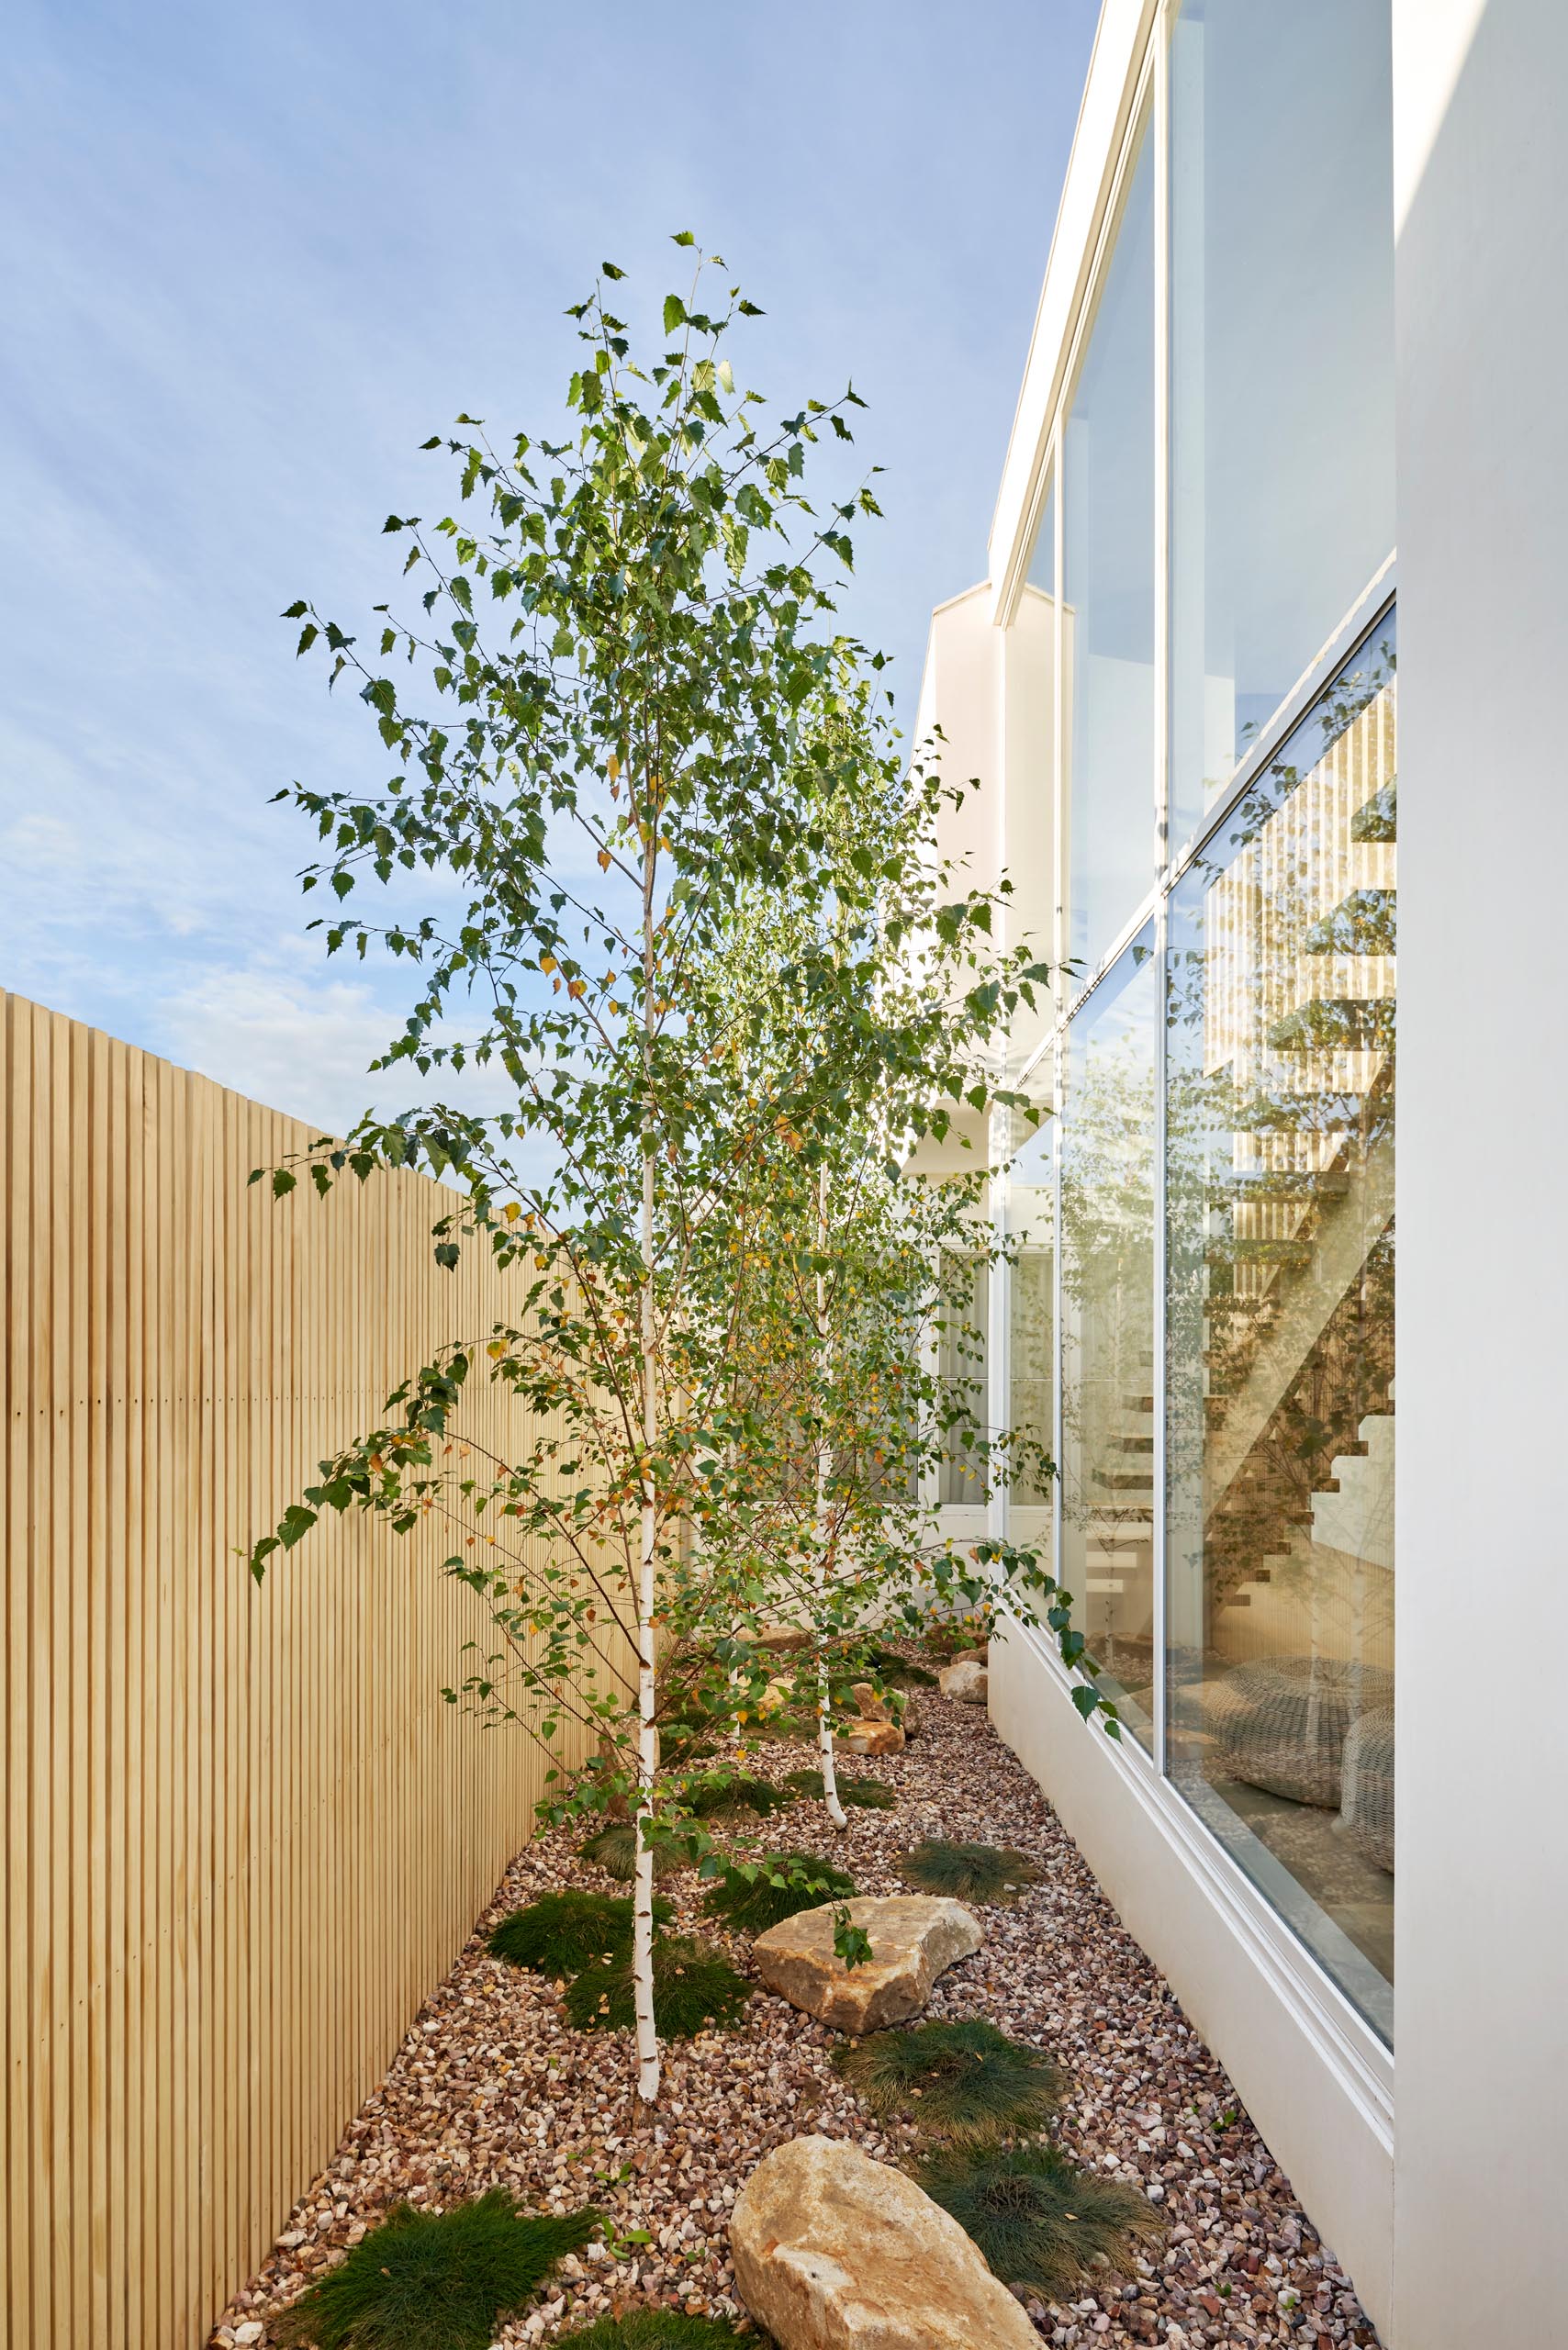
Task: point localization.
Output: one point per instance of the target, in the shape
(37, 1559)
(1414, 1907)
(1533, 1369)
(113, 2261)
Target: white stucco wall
(1482, 1920)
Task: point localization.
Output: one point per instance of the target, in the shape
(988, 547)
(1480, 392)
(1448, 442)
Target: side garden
(1047, 2093)
(758, 2035)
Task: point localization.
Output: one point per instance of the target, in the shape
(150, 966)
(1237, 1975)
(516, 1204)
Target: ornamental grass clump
(970, 1871)
(561, 1932)
(741, 1792)
(753, 1896)
(656, 2330)
(900, 1672)
(614, 1849)
(962, 2080)
(867, 1795)
(428, 2280)
(1041, 2223)
(694, 1986)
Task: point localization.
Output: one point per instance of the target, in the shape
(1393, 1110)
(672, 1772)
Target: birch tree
(619, 717)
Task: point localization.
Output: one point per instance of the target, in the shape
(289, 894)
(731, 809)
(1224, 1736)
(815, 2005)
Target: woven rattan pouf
(1281, 1724)
(1366, 1803)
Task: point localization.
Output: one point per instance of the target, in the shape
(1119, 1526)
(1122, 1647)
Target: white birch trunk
(648, 1738)
(834, 1808)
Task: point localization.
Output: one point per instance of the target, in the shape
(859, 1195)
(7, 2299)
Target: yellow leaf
(511, 1210)
(604, 860)
(546, 962)
(614, 767)
(494, 1351)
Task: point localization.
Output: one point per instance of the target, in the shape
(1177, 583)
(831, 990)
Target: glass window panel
(1107, 1328)
(1280, 1329)
(1281, 368)
(1108, 589)
(1030, 777)
(1031, 1376)
(963, 1366)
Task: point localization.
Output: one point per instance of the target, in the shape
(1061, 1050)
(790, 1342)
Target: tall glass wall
(1282, 358)
(1224, 1096)
(1280, 1328)
(1108, 591)
(1108, 1178)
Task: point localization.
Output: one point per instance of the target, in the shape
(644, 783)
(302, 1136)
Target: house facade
(1273, 618)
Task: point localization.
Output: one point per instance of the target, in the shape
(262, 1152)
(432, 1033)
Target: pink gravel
(491, 2088)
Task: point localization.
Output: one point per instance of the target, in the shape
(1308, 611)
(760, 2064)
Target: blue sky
(251, 255)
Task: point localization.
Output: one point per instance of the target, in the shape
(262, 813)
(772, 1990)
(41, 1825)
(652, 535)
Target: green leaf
(683, 237)
(283, 1182)
(674, 312)
(608, 269)
(297, 611)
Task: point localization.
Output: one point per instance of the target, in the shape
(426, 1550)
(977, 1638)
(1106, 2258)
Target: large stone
(966, 1680)
(868, 1706)
(871, 1738)
(913, 1935)
(836, 2252)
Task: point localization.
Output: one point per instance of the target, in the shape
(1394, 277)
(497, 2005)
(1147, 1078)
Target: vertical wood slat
(232, 1875)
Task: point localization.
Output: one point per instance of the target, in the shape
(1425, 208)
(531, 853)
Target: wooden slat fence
(245, 1835)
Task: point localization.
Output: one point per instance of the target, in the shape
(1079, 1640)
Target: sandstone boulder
(868, 1706)
(912, 1936)
(966, 1680)
(836, 2252)
(871, 1738)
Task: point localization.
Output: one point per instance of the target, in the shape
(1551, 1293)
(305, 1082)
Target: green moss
(658, 2330)
(431, 2280)
(694, 1986)
(785, 1883)
(867, 1795)
(970, 1871)
(563, 1932)
(1040, 2221)
(963, 2080)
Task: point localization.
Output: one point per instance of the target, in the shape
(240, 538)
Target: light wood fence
(244, 1834)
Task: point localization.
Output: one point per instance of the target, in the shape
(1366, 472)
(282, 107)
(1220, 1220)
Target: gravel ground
(491, 2086)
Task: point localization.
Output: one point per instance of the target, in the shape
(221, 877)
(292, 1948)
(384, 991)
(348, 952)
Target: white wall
(1481, 1919)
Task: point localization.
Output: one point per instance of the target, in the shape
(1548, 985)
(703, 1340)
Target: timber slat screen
(245, 1835)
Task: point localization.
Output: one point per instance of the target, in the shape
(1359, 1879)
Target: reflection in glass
(1108, 620)
(1282, 367)
(1107, 1328)
(1031, 1403)
(1280, 1329)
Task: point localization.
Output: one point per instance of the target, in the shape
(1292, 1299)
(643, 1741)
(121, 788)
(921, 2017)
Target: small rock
(252, 2331)
(913, 1937)
(968, 1680)
(836, 2252)
(871, 1738)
